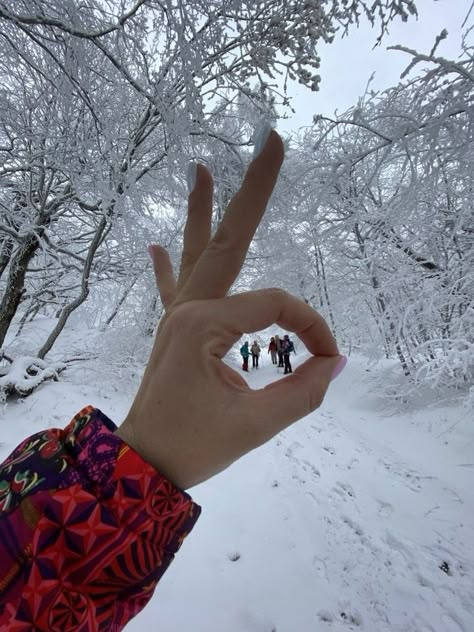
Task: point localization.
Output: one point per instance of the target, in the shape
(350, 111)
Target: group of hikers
(279, 348)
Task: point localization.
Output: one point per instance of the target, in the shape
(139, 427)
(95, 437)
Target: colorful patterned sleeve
(87, 529)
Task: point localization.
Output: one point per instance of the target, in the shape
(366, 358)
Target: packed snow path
(349, 520)
(355, 518)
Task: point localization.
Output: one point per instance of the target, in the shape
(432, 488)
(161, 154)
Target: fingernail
(191, 176)
(339, 367)
(260, 138)
(151, 252)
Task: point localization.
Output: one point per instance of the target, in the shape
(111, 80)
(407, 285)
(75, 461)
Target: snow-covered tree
(382, 211)
(102, 104)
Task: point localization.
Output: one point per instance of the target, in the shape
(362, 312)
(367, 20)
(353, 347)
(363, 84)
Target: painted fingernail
(260, 138)
(339, 367)
(191, 176)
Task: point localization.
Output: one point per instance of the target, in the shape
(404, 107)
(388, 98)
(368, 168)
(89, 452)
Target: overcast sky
(347, 64)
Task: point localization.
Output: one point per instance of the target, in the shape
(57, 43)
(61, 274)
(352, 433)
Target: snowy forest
(103, 104)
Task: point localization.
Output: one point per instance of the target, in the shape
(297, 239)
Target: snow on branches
(102, 106)
(204, 39)
(380, 200)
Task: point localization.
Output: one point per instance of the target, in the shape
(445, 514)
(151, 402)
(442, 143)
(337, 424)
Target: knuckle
(277, 293)
(226, 255)
(167, 296)
(188, 259)
(186, 316)
(224, 240)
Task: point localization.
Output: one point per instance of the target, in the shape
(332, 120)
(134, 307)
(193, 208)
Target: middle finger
(222, 260)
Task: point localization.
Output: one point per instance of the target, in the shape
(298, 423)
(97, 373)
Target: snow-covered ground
(357, 518)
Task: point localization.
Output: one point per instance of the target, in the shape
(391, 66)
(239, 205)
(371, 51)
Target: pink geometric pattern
(87, 529)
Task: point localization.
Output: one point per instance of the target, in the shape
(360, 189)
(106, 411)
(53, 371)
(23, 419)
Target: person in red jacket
(272, 349)
(279, 347)
(92, 515)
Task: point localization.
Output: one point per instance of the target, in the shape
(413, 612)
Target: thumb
(285, 401)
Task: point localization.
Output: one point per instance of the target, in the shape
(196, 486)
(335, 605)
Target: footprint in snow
(306, 465)
(357, 529)
(320, 567)
(385, 509)
(296, 477)
(452, 623)
(351, 618)
(344, 489)
(411, 478)
(291, 449)
(327, 414)
(353, 463)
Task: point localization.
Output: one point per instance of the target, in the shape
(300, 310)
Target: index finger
(283, 402)
(222, 260)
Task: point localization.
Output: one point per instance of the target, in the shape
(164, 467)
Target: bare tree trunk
(5, 254)
(122, 300)
(15, 283)
(151, 318)
(325, 289)
(379, 297)
(73, 305)
(31, 311)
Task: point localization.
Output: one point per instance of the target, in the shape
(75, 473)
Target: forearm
(86, 527)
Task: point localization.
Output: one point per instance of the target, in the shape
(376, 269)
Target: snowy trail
(352, 519)
(404, 532)
(349, 520)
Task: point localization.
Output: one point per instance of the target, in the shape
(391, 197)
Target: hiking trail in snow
(355, 518)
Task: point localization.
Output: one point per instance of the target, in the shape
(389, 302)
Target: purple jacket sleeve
(87, 529)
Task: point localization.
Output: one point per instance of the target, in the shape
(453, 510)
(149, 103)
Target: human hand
(193, 415)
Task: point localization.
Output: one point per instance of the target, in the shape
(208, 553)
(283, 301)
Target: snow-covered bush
(24, 374)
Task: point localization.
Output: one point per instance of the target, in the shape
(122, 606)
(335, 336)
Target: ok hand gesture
(193, 415)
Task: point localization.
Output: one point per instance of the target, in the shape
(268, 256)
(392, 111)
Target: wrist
(127, 433)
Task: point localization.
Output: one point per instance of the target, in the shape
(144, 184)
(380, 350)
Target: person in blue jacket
(245, 353)
(287, 347)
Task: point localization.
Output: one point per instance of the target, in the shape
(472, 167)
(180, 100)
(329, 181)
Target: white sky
(347, 64)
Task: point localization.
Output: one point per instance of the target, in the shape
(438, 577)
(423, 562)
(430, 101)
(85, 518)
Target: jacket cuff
(116, 471)
(87, 528)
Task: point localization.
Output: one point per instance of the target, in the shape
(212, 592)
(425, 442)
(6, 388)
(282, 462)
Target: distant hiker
(272, 348)
(279, 349)
(244, 352)
(255, 349)
(287, 347)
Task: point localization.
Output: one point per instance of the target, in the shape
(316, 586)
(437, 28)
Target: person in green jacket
(245, 352)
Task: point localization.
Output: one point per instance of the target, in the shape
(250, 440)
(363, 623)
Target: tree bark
(16, 282)
(5, 254)
(73, 305)
(119, 304)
